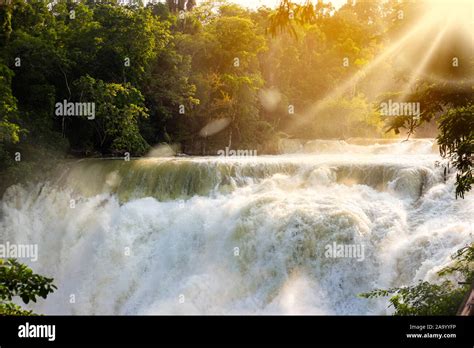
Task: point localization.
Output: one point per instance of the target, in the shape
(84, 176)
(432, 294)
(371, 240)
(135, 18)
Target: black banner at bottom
(224, 330)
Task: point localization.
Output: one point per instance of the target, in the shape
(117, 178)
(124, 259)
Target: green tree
(17, 279)
(118, 109)
(168, 88)
(9, 130)
(456, 140)
(226, 72)
(5, 23)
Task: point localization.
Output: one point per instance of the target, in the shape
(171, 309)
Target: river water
(249, 235)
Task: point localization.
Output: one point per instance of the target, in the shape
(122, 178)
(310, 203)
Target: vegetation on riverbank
(441, 298)
(18, 280)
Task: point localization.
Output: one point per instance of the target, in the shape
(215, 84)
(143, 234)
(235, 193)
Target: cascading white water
(241, 235)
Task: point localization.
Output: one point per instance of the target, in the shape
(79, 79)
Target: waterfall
(240, 235)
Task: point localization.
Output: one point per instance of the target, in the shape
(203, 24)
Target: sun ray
(422, 65)
(342, 88)
(438, 17)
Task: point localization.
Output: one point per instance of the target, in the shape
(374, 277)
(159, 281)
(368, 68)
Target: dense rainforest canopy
(161, 71)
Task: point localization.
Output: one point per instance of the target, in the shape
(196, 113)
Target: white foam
(280, 223)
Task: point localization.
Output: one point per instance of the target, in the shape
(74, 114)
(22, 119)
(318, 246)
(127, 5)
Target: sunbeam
(422, 65)
(441, 21)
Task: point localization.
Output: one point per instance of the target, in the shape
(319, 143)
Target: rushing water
(213, 235)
